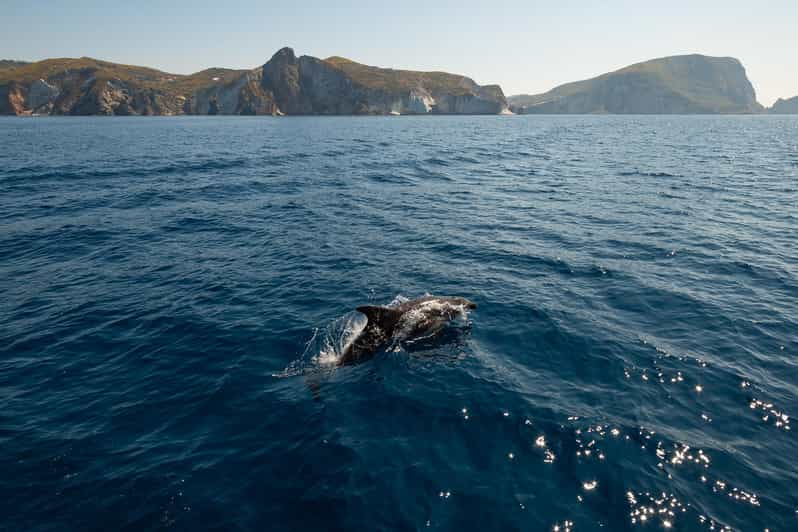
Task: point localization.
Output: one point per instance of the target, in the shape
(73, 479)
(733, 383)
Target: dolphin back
(429, 315)
(384, 318)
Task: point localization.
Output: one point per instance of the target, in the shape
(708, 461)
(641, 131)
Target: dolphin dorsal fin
(383, 317)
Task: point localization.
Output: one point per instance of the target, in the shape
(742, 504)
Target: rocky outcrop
(410, 92)
(785, 107)
(12, 99)
(691, 84)
(285, 85)
(308, 85)
(41, 96)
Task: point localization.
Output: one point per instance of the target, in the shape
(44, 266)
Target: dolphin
(419, 318)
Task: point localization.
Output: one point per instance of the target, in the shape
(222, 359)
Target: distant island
(785, 107)
(291, 85)
(689, 84)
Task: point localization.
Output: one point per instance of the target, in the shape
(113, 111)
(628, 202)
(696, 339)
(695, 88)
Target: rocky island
(688, 84)
(291, 85)
(285, 85)
(785, 107)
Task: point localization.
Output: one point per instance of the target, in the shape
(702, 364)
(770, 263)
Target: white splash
(326, 347)
(338, 337)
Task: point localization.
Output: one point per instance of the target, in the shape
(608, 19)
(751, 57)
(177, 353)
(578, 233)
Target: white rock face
(245, 95)
(41, 94)
(419, 103)
(225, 98)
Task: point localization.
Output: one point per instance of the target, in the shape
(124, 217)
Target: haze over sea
(169, 285)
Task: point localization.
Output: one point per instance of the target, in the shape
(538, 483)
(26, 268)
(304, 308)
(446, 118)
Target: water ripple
(171, 287)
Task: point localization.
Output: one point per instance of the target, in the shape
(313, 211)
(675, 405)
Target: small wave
(71, 173)
(435, 161)
(641, 173)
(390, 178)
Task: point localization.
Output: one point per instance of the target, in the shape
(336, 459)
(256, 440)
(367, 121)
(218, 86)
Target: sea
(174, 293)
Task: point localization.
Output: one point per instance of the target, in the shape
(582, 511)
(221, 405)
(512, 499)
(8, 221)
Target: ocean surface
(174, 289)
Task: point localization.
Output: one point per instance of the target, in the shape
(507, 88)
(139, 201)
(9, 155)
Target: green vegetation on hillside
(691, 83)
(689, 76)
(401, 80)
(147, 78)
(53, 67)
(7, 65)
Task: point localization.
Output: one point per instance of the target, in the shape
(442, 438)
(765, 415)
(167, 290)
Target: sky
(526, 46)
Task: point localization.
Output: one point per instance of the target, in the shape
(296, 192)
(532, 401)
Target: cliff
(690, 84)
(412, 92)
(286, 84)
(785, 107)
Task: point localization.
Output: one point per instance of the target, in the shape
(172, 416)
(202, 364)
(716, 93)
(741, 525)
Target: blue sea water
(171, 288)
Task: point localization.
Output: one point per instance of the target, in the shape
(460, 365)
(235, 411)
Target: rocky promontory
(785, 107)
(285, 85)
(687, 84)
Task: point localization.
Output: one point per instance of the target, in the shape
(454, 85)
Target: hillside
(407, 80)
(286, 84)
(690, 84)
(8, 64)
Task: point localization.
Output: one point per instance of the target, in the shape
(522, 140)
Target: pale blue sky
(524, 45)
